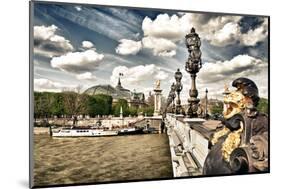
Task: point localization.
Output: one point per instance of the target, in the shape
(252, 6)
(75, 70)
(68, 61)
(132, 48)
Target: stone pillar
(157, 99)
(121, 116)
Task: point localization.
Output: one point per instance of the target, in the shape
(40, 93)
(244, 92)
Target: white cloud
(164, 26)
(228, 32)
(48, 43)
(86, 76)
(87, 44)
(161, 34)
(160, 46)
(215, 75)
(78, 8)
(218, 30)
(161, 75)
(127, 47)
(239, 65)
(43, 84)
(77, 62)
(225, 30)
(138, 74)
(164, 32)
(44, 33)
(226, 35)
(252, 37)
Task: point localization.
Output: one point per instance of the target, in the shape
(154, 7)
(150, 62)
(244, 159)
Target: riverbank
(40, 130)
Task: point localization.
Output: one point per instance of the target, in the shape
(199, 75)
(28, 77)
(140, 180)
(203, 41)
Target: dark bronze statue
(241, 144)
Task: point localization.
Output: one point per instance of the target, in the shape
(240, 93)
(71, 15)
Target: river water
(100, 159)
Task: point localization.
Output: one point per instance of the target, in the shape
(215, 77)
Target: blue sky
(90, 45)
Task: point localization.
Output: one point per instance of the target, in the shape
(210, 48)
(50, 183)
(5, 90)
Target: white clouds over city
(138, 74)
(92, 46)
(218, 30)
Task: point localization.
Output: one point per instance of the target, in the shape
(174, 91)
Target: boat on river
(94, 131)
(130, 131)
(83, 132)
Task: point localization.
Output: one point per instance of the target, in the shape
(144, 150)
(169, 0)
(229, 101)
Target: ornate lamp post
(206, 104)
(173, 96)
(193, 65)
(178, 87)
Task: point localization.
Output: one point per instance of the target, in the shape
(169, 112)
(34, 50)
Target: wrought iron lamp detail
(206, 104)
(178, 87)
(173, 96)
(193, 65)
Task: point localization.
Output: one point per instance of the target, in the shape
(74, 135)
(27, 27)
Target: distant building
(134, 99)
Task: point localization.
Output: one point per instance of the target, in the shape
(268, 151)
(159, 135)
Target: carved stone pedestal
(157, 101)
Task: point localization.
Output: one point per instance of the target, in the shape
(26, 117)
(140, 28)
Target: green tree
(133, 111)
(263, 105)
(75, 103)
(99, 105)
(117, 106)
(43, 102)
(57, 107)
(148, 111)
(37, 105)
(217, 108)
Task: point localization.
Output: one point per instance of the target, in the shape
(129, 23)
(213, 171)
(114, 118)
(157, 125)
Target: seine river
(100, 159)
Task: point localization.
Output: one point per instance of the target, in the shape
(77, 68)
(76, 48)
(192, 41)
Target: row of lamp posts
(193, 66)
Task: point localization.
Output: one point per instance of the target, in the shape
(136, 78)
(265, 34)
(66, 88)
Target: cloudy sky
(90, 45)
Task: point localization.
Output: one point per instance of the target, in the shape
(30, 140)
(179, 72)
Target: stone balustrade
(189, 141)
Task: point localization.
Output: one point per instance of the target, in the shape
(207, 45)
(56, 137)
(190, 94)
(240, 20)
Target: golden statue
(157, 84)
